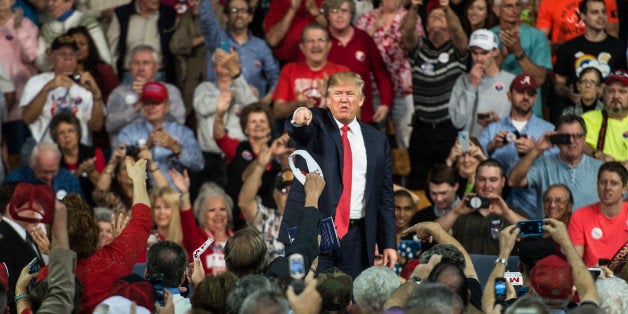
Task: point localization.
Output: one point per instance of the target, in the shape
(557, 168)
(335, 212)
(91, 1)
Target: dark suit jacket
(16, 253)
(322, 140)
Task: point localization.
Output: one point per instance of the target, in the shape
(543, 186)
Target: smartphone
(297, 272)
(500, 290)
(33, 267)
(595, 272)
(75, 77)
(157, 280)
(463, 140)
(175, 164)
(530, 228)
(484, 115)
(560, 139)
(225, 46)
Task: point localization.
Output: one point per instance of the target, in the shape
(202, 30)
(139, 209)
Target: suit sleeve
(386, 211)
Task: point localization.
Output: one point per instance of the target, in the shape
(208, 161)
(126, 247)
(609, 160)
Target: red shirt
(297, 78)
(361, 56)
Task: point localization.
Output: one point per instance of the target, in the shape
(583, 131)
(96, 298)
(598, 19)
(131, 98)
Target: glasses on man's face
(575, 136)
(589, 83)
(556, 200)
(321, 40)
(335, 11)
(235, 11)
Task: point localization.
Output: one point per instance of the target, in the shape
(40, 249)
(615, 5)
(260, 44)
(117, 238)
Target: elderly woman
(256, 122)
(384, 25)
(590, 85)
(212, 209)
(466, 163)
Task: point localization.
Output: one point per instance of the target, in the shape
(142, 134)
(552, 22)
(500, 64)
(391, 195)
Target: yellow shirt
(616, 142)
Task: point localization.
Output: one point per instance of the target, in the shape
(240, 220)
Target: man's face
(436, 21)
(340, 18)
(46, 167)
(484, 58)
(404, 210)
(508, 11)
(595, 17)
(556, 204)
(574, 150)
(315, 46)
(64, 60)
(58, 7)
(143, 66)
(238, 16)
(522, 101)
(344, 100)
(610, 189)
(155, 112)
(443, 195)
(489, 180)
(616, 99)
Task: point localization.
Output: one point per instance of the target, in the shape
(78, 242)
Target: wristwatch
(502, 261)
(416, 279)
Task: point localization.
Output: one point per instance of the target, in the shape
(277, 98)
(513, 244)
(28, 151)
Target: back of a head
(452, 276)
(448, 252)
(528, 301)
(82, 228)
(245, 286)
(434, 298)
(6, 191)
(335, 287)
(245, 252)
(612, 295)
(167, 258)
(211, 293)
(265, 302)
(373, 287)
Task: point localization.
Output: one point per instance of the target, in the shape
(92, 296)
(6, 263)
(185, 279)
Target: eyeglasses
(340, 11)
(235, 11)
(576, 136)
(321, 40)
(589, 82)
(557, 200)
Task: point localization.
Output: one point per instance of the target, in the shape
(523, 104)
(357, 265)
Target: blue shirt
(259, 67)
(64, 180)
(190, 156)
(508, 157)
(581, 179)
(536, 47)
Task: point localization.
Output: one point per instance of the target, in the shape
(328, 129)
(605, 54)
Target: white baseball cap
(483, 38)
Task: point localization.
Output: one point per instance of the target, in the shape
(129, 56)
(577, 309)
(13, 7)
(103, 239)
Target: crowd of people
(332, 156)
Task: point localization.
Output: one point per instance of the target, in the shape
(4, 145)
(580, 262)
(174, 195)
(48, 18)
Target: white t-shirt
(77, 100)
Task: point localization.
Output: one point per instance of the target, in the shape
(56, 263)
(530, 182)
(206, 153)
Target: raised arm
(517, 177)
(582, 278)
(409, 36)
(458, 36)
(507, 239)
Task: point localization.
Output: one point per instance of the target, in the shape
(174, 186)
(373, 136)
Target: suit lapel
(11, 236)
(334, 133)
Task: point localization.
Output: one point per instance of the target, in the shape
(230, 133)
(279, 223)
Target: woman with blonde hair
(166, 218)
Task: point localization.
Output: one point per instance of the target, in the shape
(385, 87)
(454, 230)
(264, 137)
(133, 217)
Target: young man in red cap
(510, 138)
(172, 144)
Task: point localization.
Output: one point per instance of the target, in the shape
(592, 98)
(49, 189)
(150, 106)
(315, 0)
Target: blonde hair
(171, 198)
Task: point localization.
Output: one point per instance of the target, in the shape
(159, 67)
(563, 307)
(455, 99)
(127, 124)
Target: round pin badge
(130, 99)
(443, 57)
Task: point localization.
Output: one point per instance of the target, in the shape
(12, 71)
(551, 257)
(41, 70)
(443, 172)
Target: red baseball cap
(523, 82)
(154, 92)
(26, 193)
(551, 278)
(618, 75)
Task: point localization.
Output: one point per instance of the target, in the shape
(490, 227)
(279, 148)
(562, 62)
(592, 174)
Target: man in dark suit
(15, 251)
(356, 164)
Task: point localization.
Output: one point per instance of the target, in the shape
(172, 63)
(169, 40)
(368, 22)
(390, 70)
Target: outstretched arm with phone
(507, 239)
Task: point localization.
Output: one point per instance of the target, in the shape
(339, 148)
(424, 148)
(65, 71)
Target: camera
(296, 264)
(75, 77)
(477, 202)
(511, 136)
(530, 228)
(500, 290)
(132, 150)
(560, 139)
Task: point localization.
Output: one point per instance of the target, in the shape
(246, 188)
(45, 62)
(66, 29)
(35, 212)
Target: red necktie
(344, 205)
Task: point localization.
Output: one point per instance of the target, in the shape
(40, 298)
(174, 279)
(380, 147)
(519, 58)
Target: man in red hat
(607, 138)
(22, 208)
(172, 144)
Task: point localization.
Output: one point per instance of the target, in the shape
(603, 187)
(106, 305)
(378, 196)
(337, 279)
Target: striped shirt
(434, 72)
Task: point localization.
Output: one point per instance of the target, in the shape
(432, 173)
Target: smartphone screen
(530, 228)
(500, 290)
(157, 280)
